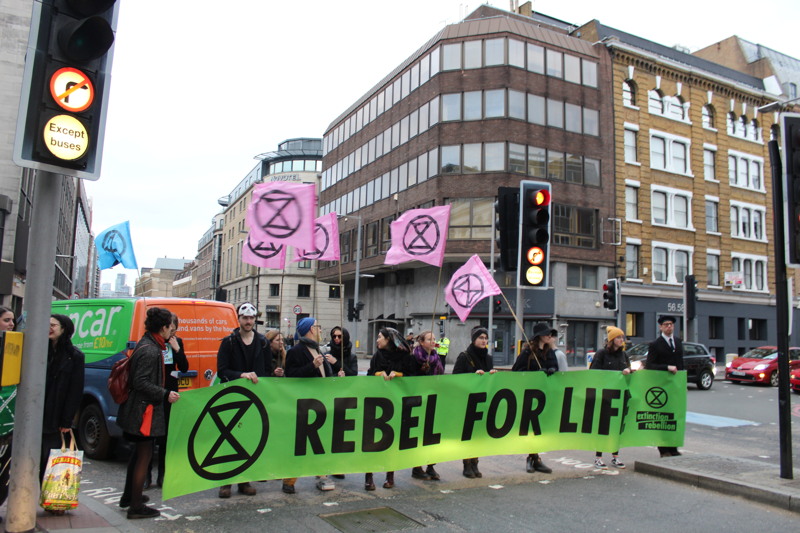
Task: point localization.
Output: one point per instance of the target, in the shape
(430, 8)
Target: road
(736, 420)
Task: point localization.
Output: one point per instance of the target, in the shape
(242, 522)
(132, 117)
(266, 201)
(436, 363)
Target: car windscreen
(638, 349)
(761, 353)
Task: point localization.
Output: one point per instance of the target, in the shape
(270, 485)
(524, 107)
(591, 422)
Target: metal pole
(782, 313)
(24, 488)
(491, 304)
(357, 344)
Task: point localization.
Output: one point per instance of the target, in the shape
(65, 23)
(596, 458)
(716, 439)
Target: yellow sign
(534, 275)
(66, 137)
(10, 357)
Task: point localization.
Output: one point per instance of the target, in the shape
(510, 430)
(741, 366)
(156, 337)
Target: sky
(198, 92)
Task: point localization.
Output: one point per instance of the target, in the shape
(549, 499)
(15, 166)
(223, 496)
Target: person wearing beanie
(392, 359)
(612, 357)
(538, 355)
(475, 359)
(305, 360)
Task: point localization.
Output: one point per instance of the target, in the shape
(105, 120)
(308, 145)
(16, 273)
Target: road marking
(717, 421)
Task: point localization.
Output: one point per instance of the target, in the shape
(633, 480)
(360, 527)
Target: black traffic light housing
(534, 238)
(498, 305)
(64, 97)
(690, 284)
(611, 294)
(790, 133)
(507, 213)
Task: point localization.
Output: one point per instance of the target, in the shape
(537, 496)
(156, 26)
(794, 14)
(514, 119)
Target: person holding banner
(666, 353)
(141, 416)
(476, 358)
(244, 354)
(275, 339)
(611, 357)
(392, 359)
(538, 355)
(342, 349)
(429, 365)
(7, 402)
(305, 360)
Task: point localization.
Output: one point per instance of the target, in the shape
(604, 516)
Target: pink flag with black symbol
(263, 254)
(420, 235)
(326, 239)
(282, 213)
(469, 285)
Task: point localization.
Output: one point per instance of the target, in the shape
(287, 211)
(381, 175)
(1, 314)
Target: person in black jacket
(612, 357)
(392, 359)
(538, 355)
(476, 358)
(246, 354)
(666, 353)
(342, 349)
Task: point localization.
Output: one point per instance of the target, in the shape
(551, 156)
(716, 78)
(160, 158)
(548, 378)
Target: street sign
(71, 89)
(297, 309)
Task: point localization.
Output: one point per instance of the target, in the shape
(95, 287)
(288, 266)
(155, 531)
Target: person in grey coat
(141, 416)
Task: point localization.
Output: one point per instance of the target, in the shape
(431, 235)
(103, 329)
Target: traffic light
(534, 238)
(690, 283)
(507, 212)
(790, 133)
(498, 305)
(610, 294)
(62, 112)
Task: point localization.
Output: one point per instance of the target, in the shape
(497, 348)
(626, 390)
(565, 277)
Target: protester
(666, 353)
(342, 349)
(538, 355)
(611, 357)
(429, 365)
(476, 358)
(8, 396)
(305, 360)
(141, 416)
(246, 354)
(392, 359)
(275, 339)
(443, 348)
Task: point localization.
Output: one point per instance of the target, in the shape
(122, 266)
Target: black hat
(543, 328)
(477, 331)
(666, 318)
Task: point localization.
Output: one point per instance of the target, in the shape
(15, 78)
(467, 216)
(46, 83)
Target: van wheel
(705, 380)
(92, 432)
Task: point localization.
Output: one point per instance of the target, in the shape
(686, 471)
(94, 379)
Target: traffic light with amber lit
(610, 294)
(64, 97)
(790, 132)
(534, 239)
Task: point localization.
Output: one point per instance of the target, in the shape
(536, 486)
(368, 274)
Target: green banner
(293, 427)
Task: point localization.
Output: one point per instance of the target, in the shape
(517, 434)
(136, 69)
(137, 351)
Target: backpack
(118, 380)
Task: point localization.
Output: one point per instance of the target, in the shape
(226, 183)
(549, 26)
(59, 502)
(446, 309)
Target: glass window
(743, 172)
(732, 170)
(459, 218)
(473, 109)
(680, 207)
(755, 175)
(412, 172)
(413, 124)
(435, 61)
(581, 276)
(555, 165)
(537, 162)
(516, 104)
(423, 117)
(712, 216)
(591, 122)
(516, 53)
(628, 94)
(495, 103)
(451, 159)
(472, 54)
(591, 171)
(572, 68)
(433, 159)
(451, 107)
(709, 165)
(630, 146)
(516, 157)
(574, 169)
(535, 58)
(759, 275)
(679, 157)
(403, 171)
(660, 264)
(708, 117)
(758, 225)
(748, 274)
(734, 221)
(495, 156)
(681, 264)
(434, 112)
(422, 167)
(712, 269)
(658, 154)
(589, 73)
(536, 109)
(414, 77)
(555, 67)
(744, 215)
(659, 208)
(632, 261)
(632, 203)
(404, 130)
(394, 180)
(572, 117)
(555, 113)
(472, 158)
(451, 57)
(495, 52)
(424, 70)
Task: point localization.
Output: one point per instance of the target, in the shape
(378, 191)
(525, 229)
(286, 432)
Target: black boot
(418, 473)
(539, 466)
(529, 465)
(389, 483)
(475, 468)
(468, 472)
(369, 484)
(432, 473)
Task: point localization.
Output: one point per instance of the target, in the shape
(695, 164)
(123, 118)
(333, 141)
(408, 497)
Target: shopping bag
(62, 477)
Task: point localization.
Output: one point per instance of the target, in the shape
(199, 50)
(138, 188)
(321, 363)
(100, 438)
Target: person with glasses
(475, 359)
(305, 360)
(342, 349)
(538, 355)
(666, 353)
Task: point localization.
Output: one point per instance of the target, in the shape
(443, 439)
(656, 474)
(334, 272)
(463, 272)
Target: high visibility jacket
(443, 346)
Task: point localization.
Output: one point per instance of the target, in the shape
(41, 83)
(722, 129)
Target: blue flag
(114, 247)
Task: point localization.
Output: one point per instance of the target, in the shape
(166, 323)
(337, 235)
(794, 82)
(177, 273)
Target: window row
(296, 165)
(743, 127)
(747, 221)
(673, 107)
(745, 171)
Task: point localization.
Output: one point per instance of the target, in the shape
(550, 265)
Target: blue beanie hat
(304, 324)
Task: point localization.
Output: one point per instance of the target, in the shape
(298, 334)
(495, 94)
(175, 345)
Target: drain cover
(370, 521)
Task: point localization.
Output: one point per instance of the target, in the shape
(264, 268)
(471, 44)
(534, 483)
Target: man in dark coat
(666, 353)
(244, 354)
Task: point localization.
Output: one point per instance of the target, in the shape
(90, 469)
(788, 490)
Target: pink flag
(420, 235)
(263, 254)
(326, 236)
(470, 284)
(282, 213)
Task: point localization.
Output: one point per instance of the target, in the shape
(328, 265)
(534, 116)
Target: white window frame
(671, 193)
(715, 200)
(753, 260)
(715, 253)
(671, 249)
(670, 141)
(632, 129)
(712, 149)
(736, 232)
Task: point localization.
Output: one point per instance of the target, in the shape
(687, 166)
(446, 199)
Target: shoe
(389, 483)
(126, 502)
(143, 512)
(339, 476)
(247, 489)
(288, 489)
(418, 473)
(148, 482)
(616, 462)
(539, 466)
(666, 454)
(369, 484)
(529, 465)
(676, 453)
(225, 491)
(160, 480)
(468, 472)
(475, 468)
(325, 484)
(598, 463)
(433, 474)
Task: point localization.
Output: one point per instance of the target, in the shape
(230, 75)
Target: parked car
(700, 365)
(759, 365)
(794, 379)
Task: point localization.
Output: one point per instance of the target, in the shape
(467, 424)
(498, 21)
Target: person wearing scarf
(476, 358)
(538, 355)
(342, 349)
(305, 360)
(392, 359)
(430, 364)
(141, 416)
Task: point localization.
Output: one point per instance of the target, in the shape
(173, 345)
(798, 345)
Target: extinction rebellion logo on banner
(657, 398)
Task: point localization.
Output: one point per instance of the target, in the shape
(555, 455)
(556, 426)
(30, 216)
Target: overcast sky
(197, 92)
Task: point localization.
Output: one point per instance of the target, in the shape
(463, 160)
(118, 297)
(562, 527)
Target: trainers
(598, 463)
(616, 462)
(324, 483)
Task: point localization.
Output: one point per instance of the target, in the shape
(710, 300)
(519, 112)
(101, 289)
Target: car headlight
(760, 367)
(728, 364)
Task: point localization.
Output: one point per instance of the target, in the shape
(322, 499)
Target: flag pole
(436, 299)
(341, 296)
(519, 325)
